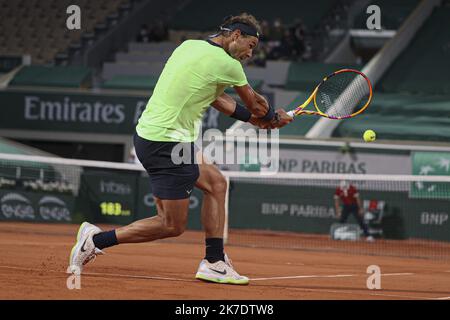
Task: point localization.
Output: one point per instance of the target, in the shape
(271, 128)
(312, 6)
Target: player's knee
(177, 231)
(174, 230)
(220, 184)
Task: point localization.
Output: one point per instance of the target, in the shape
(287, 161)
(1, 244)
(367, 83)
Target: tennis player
(194, 77)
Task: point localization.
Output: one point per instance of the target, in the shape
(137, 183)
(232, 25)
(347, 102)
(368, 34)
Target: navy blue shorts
(168, 180)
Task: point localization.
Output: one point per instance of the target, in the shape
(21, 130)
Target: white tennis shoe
(219, 272)
(84, 249)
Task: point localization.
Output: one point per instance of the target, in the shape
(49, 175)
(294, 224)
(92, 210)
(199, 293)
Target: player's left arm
(227, 105)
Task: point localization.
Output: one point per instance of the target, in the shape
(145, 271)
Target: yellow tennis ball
(369, 136)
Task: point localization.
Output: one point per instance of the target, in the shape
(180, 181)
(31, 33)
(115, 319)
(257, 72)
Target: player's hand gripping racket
(341, 95)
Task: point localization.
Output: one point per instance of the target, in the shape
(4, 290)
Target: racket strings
(343, 94)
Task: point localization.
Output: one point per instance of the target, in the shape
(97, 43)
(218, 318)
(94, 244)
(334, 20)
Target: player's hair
(244, 18)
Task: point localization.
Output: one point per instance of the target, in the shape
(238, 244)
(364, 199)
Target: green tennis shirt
(196, 74)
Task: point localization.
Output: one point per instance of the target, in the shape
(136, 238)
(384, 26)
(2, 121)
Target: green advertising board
(280, 208)
(108, 198)
(431, 164)
(124, 197)
(16, 205)
(84, 112)
(310, 209)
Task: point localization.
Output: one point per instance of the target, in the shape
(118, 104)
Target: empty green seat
(420, 68)
(58, 76)
(131, 82)
(420, 128)
(305, 76)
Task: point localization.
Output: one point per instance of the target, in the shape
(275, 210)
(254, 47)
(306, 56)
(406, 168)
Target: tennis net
(407, 215)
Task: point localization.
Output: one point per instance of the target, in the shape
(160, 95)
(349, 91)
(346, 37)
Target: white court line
(328, 276)
(104, 274)
(136, 277)
(273, 278)
(364, 293)
(25, 269)
(301, 277)
(180, 279)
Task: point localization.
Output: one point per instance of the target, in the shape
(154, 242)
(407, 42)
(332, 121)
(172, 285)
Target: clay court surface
(35, 257)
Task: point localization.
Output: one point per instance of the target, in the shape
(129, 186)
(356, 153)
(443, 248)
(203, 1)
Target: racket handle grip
(291, 113)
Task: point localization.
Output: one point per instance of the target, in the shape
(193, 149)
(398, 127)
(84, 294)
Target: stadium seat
(133, 82)
(193, 17)
(52, 76)
(416, 69)
(305, 76)
(420, 128)
(402, 117)
(26, 21)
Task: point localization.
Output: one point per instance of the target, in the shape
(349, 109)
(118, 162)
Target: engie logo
(53, 208)
(14, 205)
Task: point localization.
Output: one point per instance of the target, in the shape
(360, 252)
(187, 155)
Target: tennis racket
(341, 95)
